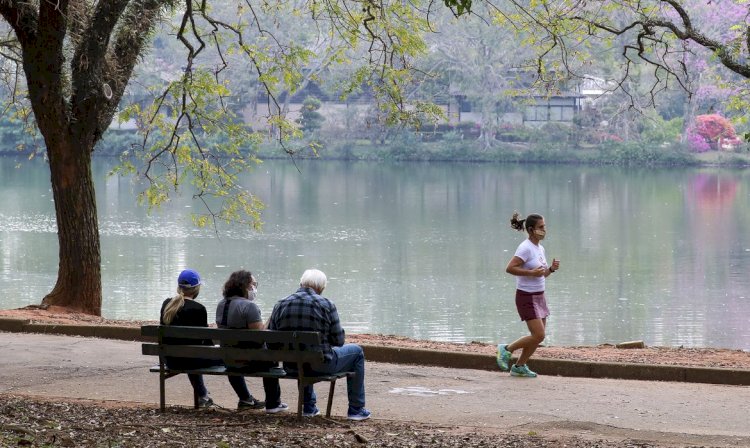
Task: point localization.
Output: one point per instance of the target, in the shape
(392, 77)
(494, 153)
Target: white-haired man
(307, 310)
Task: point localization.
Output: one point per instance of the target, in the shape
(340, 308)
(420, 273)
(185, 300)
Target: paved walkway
(683, 413)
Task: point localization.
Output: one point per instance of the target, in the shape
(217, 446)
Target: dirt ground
(27, 421)
(695, 357)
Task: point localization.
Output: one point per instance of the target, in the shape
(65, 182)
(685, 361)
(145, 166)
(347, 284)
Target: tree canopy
(69, 62)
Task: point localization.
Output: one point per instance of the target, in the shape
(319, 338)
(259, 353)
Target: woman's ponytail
(174, 305)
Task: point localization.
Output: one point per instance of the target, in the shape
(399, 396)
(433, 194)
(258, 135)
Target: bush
(656, 130)
(513, 133)
(707, 132)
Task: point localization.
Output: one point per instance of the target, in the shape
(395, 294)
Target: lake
(419, 249)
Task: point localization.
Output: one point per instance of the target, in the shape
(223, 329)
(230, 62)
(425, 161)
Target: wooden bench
(300, 347)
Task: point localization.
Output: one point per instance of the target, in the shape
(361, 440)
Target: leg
(528, 344)
(199, 387)
(240, 387)
(310, 399)
(350, 357)
(273, 392)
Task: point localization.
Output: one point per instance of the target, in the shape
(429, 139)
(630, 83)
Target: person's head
(315, 279)
(240, 284)
(188, 286)
(189, 283)
(533, 224)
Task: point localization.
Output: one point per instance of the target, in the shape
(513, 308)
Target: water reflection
(419, 249)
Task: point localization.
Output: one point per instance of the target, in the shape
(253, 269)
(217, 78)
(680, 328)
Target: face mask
(540, 233)
(252, 293)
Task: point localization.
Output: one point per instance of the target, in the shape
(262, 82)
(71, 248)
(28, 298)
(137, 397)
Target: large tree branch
(91, 71)
(720, 50)
(53, 22)
(683, 29)
(43, 59)
(22, 17)
(131, 34)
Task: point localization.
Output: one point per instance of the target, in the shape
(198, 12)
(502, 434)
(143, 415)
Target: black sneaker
(251, 403)
(205, 402)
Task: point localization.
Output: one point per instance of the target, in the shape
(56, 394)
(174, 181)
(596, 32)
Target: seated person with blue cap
(184, 310)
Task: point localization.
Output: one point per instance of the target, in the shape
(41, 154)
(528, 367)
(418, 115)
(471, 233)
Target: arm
(515, 267)
(271, 325)
(256, 325)
(254, 319)
(203, 322)
(554, 267)
(202, 317)
(336, 335)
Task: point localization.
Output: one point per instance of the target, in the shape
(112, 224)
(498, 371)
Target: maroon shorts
(531, 305)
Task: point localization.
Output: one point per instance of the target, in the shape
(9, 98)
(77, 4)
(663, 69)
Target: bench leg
(330, 398)
(301, 399)
(162, 392)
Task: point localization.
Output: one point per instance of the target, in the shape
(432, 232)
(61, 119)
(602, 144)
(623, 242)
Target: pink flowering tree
(709, 131)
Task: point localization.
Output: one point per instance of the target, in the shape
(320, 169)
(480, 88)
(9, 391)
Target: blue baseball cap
(189, 278)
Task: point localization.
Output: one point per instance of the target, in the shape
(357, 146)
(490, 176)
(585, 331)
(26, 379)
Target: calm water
(420, 249)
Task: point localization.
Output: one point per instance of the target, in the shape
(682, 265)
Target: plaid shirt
(307, 311)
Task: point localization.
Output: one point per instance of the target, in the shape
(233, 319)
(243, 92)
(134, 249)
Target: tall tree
(482, 63)
(77, 57)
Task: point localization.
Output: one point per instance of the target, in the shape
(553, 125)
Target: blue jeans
(348, 357)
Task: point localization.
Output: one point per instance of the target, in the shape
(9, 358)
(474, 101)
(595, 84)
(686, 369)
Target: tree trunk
(78, 284)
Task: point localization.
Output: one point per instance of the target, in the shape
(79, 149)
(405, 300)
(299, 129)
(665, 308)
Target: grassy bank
(618, 154)
(411, 147)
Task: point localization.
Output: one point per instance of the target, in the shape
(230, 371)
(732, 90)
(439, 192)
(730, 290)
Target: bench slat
(227, 334)
(221, 370)
(229, 353)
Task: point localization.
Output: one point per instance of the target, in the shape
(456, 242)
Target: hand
(555, 264)
(538, 272)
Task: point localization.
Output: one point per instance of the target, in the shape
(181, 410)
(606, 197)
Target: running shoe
(503, 357)
(522, 371)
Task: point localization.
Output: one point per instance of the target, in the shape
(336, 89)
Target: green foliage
(513, 133)
(408, 145)
(115, 143)
(459, 7)
(656, 130)
(635, 154)
(189, 139)
(310, 119)
(553, 134)
(18, 133)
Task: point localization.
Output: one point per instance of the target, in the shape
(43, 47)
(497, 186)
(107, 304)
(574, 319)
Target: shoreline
(475, 353)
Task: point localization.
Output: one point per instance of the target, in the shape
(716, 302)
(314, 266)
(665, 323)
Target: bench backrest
(285, 346)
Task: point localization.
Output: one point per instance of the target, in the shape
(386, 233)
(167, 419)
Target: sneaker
(503, 357)
(522, 371)
(251, 403)
(205, 402)
(282, 407)
(358, 414)
(311, 412)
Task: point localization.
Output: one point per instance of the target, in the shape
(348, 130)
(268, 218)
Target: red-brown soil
(696, 357)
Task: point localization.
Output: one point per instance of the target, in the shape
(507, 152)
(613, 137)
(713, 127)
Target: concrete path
(681, 413)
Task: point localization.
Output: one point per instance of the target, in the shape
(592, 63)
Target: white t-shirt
(533, 257)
